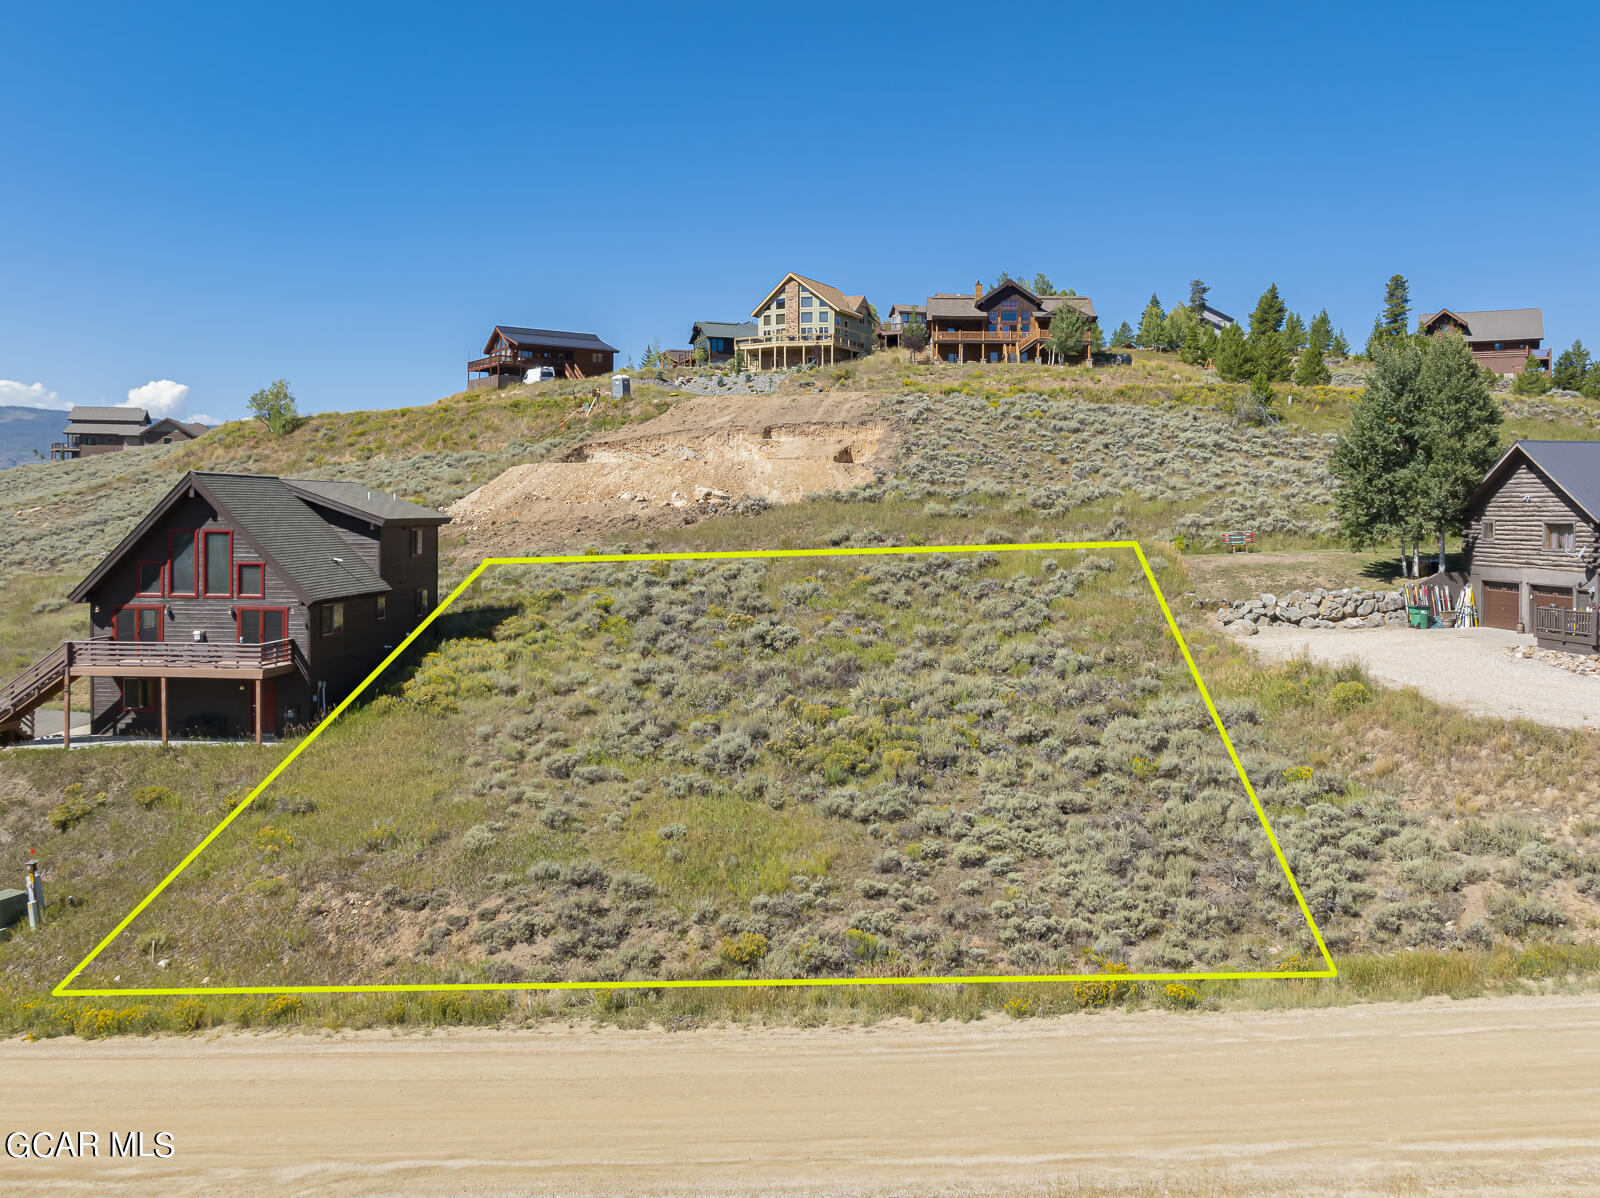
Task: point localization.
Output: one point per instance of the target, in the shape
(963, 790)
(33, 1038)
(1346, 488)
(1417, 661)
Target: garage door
(1552, 597)
(1502, 604)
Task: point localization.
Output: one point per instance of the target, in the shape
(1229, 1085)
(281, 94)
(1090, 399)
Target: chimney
(977, 291)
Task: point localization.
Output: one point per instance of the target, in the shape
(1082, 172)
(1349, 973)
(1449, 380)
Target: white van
(539, 374)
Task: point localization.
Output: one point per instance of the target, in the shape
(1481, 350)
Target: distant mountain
(23, 430)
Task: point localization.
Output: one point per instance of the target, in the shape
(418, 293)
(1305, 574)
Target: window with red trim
(219, 562)
(183, 565)
(138, 624)
(150, 578)
(252, 580)
(138, 694)
(258, 625)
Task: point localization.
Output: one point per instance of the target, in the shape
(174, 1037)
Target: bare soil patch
(1240, 575)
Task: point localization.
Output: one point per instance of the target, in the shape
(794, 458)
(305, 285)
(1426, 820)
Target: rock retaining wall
(1347, 607)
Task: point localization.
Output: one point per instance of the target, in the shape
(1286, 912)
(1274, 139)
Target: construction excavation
(703, 456)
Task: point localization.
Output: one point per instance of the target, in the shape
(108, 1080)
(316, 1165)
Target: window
(383, 607)
(333, 619)
(424, 600)
(252, 580)
(595, 357)
(149, 575)
(1558, 536)
(822, 316)
(805, 301)
(181, 576)
(822, 310)
(950, 357)
(1488, 530)
(258, 625)
(137, 624)
(805, 330)
(766, 320)
(138, 694)
(219, 563)
(414, 542)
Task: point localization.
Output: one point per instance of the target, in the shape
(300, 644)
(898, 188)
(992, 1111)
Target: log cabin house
(804, 322)
(1532, 541)
(720, 338)
(92, 430)
(1501, 340)
(240, 605)
(511, 352)
(1008, 323)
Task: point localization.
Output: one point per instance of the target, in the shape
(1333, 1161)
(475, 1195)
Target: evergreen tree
(1123, 337)
(1175, 331)
(1311, 370)
(1197, 295)
(1591, 381)
(1234, 361)
(1208, 343)
(1152, 325)
(1042, 285)
(1396, 308)
(1460, 438)
(914, 335)
(1294, 333)
(1572, 367)
(1269, 313)
(1320, 335)
(1270, 357)
(1532, 380)
(1376, 339)
(1378, 458)
(1339, 347)
(1192, 348)
(1097, 337)
(1070, 334)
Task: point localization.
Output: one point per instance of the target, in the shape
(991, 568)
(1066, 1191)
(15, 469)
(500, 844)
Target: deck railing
(1559, 623)
(106, 653)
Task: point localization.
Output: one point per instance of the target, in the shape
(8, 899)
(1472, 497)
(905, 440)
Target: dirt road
(1474, 1097)
(1468, 668)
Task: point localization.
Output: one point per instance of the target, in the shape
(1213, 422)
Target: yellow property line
(64, 988)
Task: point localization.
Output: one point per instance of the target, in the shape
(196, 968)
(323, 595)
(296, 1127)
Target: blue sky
(211, 196)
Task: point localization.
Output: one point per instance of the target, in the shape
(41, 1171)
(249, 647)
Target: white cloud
(29, 395)
(160, 397)
(202, 418)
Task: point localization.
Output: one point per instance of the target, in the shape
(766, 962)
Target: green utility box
(1421, 617)
(13, 906)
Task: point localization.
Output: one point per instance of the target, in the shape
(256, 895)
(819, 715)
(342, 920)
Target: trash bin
(1421, 617)
(621, 386)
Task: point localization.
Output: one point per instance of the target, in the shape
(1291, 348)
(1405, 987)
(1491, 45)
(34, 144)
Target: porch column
(258, 711)
(163, 709)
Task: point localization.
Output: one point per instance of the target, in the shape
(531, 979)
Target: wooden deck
(1567, 631)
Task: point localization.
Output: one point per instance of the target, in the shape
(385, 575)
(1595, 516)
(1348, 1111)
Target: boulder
(1267, 600)
(1291, 613)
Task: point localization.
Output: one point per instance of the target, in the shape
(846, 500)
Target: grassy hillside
(869, 766)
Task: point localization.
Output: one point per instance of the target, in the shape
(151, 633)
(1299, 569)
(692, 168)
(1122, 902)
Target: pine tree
(1270, 357)
(1378, 459)
(1208, 343)
(1235, 363)
(1572, 367)
(1396, 309)
(1175, 330)
(1269, 313)
(1192, 349)
(1375, 339)
(1152, 325)
(1123, 337)
(1532, 380)
(1041, 284)
(1070, 334)
(1197, 295)
(1591, 382)
(1311, 370)
(1097, 337)
(1460, 431)
(1320, 335)
(1294, 333)
(1339, 347)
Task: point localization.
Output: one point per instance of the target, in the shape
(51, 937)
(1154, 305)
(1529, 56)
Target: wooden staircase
(35, 686)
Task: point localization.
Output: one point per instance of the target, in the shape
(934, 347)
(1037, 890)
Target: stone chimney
(977, 291)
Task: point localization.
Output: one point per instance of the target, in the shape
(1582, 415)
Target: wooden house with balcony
(716, 341)
(1501, 340)
(241, 605)
(511, 352)
(1532, 542)
(804, 322)
(1008, 323)
(96, 430)
(900, 315)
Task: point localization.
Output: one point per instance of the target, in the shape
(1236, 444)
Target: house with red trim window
(241, 604)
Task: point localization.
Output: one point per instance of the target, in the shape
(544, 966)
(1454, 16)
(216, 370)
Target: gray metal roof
(103, 415)
(557, 338)
(379, 506)
(85, 427)
(1498, 324)
(724, 328)
(318, 561)
(1574, 467)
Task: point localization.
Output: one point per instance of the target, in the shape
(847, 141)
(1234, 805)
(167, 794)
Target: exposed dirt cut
(701, 457)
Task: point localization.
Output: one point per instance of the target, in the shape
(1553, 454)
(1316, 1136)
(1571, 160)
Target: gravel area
(1470, 668)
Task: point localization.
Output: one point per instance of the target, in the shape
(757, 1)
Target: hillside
(867, 766)
(26, 434)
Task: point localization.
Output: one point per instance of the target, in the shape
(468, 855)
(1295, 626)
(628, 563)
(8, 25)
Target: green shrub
(1347, 696)
(744, 950)
(153, 796)
(75, 807)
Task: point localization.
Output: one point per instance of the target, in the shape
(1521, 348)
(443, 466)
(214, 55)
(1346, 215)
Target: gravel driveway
(1467, 668)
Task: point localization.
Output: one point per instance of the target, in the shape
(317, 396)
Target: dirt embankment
(701, 457)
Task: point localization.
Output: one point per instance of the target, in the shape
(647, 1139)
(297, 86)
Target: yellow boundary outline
(63, 988)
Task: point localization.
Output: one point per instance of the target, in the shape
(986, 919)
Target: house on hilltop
(719, 338)
(1501, 339)
(1532, 542)
(888, 333)
(1216, 319)
(803, 321)
(1008, 323)
(512, 351)
(93, 430)
(241, 604)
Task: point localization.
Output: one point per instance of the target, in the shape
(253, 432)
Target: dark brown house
(102, 430)
(1532, 540)
(242, 604)
(511, 352)
(1501, 340)
(1007, 323)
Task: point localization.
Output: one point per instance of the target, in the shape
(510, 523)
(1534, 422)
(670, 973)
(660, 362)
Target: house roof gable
(1493, 324)
(354, 499)
(555, 338)
(723, 328)
(1573, 468)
